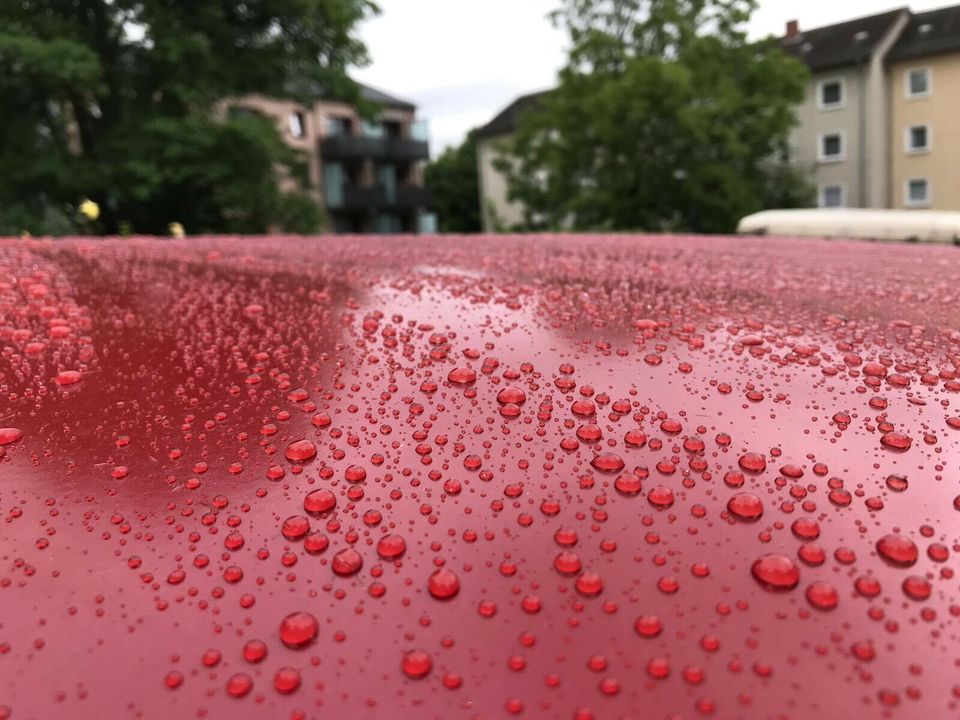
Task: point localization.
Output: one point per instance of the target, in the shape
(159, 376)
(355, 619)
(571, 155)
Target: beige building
(924, 88)
(499, 213)
(842, 124)
(368, 175)
(879, 126)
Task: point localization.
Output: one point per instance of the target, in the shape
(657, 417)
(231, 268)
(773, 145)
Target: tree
(455, 184)
(115, 100)
(665, 118)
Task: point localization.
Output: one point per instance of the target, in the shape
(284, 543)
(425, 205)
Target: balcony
(356, 198)
(357, 147)
(361, 198)
(413, 196)
(403, 149)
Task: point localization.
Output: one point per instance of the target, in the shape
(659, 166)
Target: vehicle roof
(535, 476)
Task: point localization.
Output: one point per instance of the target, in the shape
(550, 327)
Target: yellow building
(924, 90)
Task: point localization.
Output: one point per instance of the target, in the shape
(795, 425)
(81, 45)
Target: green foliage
(665, 117)
(115, 100)
(455, 184)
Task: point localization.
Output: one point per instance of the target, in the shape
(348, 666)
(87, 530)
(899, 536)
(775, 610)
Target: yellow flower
(176, 229)
(89, 209)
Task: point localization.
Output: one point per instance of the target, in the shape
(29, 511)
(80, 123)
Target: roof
(314, 89)
(929, 33)
(842, 44)
(382, 98)
(505, 122)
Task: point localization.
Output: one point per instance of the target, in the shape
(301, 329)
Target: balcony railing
(413, 196)
(360, 198)
(404, 197)
(355, 147)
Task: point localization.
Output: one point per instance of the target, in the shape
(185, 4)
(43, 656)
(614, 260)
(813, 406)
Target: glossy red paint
(552, 477)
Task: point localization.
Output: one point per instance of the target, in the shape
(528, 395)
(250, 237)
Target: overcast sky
(462, 61)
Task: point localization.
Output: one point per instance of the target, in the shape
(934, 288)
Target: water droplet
(589, 584)
(608, 463)
(347, 562)
(9, 435)
(511, 396)
(68, 377)
(776, 572)
(300, 450)
(745, 506)
(286, 680)
(462, 376)
(417, 664)
(319, 501)
(298, 629)
(916, 588)
(896, 441)
(897, 550)
(753, 462)
(239, 685)
(660, 497)
(295, 527)
(648, 626)
(390, 547)
(443, 584)
(822, 595)
(567, 563)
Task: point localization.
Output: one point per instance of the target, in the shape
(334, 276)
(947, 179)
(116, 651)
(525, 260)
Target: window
(918, 138)
(918, 192)
(419, 130)
(373, 129)
(830, 94)
(334, 182)
(831, 196)
(831, 147)
(338, 126)
(237, 112)
(918, 83)
(298, 125)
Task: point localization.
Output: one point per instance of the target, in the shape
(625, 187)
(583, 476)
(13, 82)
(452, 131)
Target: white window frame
(908, 136)
(906, 82)
(821, 105)
(917, 203)
(300, 118)
(822, 193)
(841, 156)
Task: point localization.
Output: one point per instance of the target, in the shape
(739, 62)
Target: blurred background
(347, 116)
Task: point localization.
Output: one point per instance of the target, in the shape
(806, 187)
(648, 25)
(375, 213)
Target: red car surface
(478, 477)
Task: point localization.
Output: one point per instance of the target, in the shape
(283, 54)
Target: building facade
(878, 127)
(924, 87)
(499, 213)
(368, 175)
(842, 125)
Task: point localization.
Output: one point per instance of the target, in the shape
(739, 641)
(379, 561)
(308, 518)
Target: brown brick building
(368, 175)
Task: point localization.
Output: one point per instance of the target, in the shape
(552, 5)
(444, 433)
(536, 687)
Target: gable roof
(315, 90)
(382, 98)
(929, 33)
(505, 122)
(842, 44)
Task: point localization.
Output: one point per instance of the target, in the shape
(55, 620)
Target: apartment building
(879, 126)
(923, 76)
(368, 175)
(842, 130)
(498, 212)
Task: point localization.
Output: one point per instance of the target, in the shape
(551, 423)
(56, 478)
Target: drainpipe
(862, 122)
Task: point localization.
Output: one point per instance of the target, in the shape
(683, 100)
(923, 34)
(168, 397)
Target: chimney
(793, 28)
